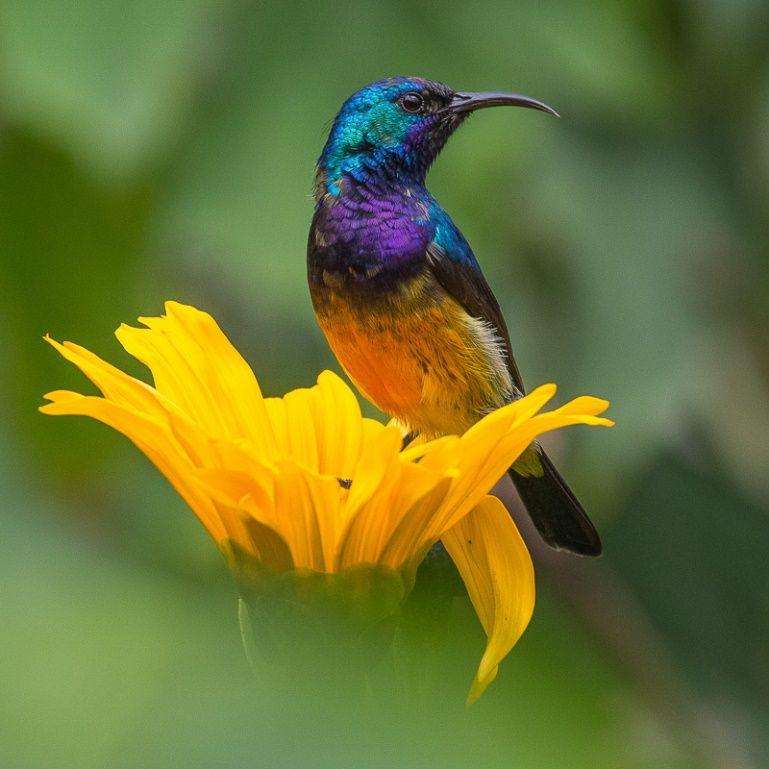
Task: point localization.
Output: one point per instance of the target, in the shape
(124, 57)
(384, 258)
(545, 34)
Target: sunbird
(400, 295)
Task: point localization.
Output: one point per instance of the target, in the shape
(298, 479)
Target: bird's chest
(415, 353)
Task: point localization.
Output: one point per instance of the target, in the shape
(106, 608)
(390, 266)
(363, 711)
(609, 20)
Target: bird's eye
(412, 102)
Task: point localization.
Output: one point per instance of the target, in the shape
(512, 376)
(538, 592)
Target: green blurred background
(164, 149)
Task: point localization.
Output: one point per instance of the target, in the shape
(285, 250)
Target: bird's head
(392, 130)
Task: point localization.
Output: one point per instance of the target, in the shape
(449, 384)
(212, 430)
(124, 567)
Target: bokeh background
(153, 150)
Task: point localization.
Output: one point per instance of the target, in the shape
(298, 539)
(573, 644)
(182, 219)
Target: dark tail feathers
(553, 508)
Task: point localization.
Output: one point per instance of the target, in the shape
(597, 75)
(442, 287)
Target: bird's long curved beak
(468, 102)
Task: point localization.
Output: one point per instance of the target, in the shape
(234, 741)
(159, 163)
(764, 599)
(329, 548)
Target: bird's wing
(464, 282)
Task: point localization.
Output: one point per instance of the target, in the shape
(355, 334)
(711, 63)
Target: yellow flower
(305, 482)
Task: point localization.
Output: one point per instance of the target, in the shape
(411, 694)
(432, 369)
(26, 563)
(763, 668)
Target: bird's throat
(369, 234)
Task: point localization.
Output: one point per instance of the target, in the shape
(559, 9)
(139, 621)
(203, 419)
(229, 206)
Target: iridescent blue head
(392, 130)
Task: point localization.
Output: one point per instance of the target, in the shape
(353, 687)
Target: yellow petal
(408, 537)
(337, 426)
(492, 445)
(265, 550)
(418, 449)
(499, 422)
(113, 383)
(301, 507)
(376, 462)
(238, 456)
(308, 512)
(275, 409)
(389, 527)
(194, 365)
(154, 439)
(554, 420)
(298, 407)
(496, 568)
(250, 494)
(319, 427)
(584, 404)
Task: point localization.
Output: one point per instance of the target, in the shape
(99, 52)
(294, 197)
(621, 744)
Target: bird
(399, 294)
